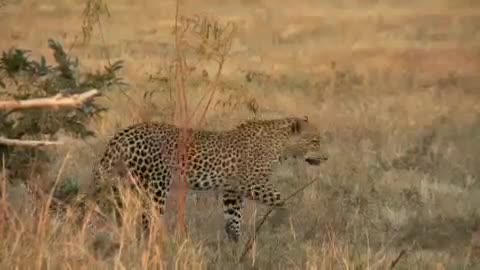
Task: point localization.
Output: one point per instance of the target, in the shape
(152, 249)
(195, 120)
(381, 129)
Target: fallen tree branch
(54, 102)
(250, 241)
(27, 143)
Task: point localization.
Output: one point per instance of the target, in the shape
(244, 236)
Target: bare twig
(180, 80)
(28, 143)
(400, 255)
(54, 102)
(251, 240)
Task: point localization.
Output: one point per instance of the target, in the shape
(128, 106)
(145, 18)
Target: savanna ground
(394, 85)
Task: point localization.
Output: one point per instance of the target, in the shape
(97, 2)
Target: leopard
(238, 162)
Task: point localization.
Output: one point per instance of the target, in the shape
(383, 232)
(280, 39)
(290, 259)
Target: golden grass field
(394, 84)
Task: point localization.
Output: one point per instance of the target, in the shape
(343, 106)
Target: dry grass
(394, 84)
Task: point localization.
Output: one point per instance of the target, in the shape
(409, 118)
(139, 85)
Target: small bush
(24, 78)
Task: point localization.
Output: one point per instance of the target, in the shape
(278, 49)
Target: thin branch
(27, 143)
(249, 244)
(54, 102)
(400, 255)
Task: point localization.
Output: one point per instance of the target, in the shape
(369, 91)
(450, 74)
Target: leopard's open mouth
(315, 161)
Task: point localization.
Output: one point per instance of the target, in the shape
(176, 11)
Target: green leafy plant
(24, 78)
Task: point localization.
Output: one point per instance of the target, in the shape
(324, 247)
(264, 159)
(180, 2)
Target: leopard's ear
(299, 125)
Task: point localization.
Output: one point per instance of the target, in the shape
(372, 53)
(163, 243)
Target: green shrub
(23, 78)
